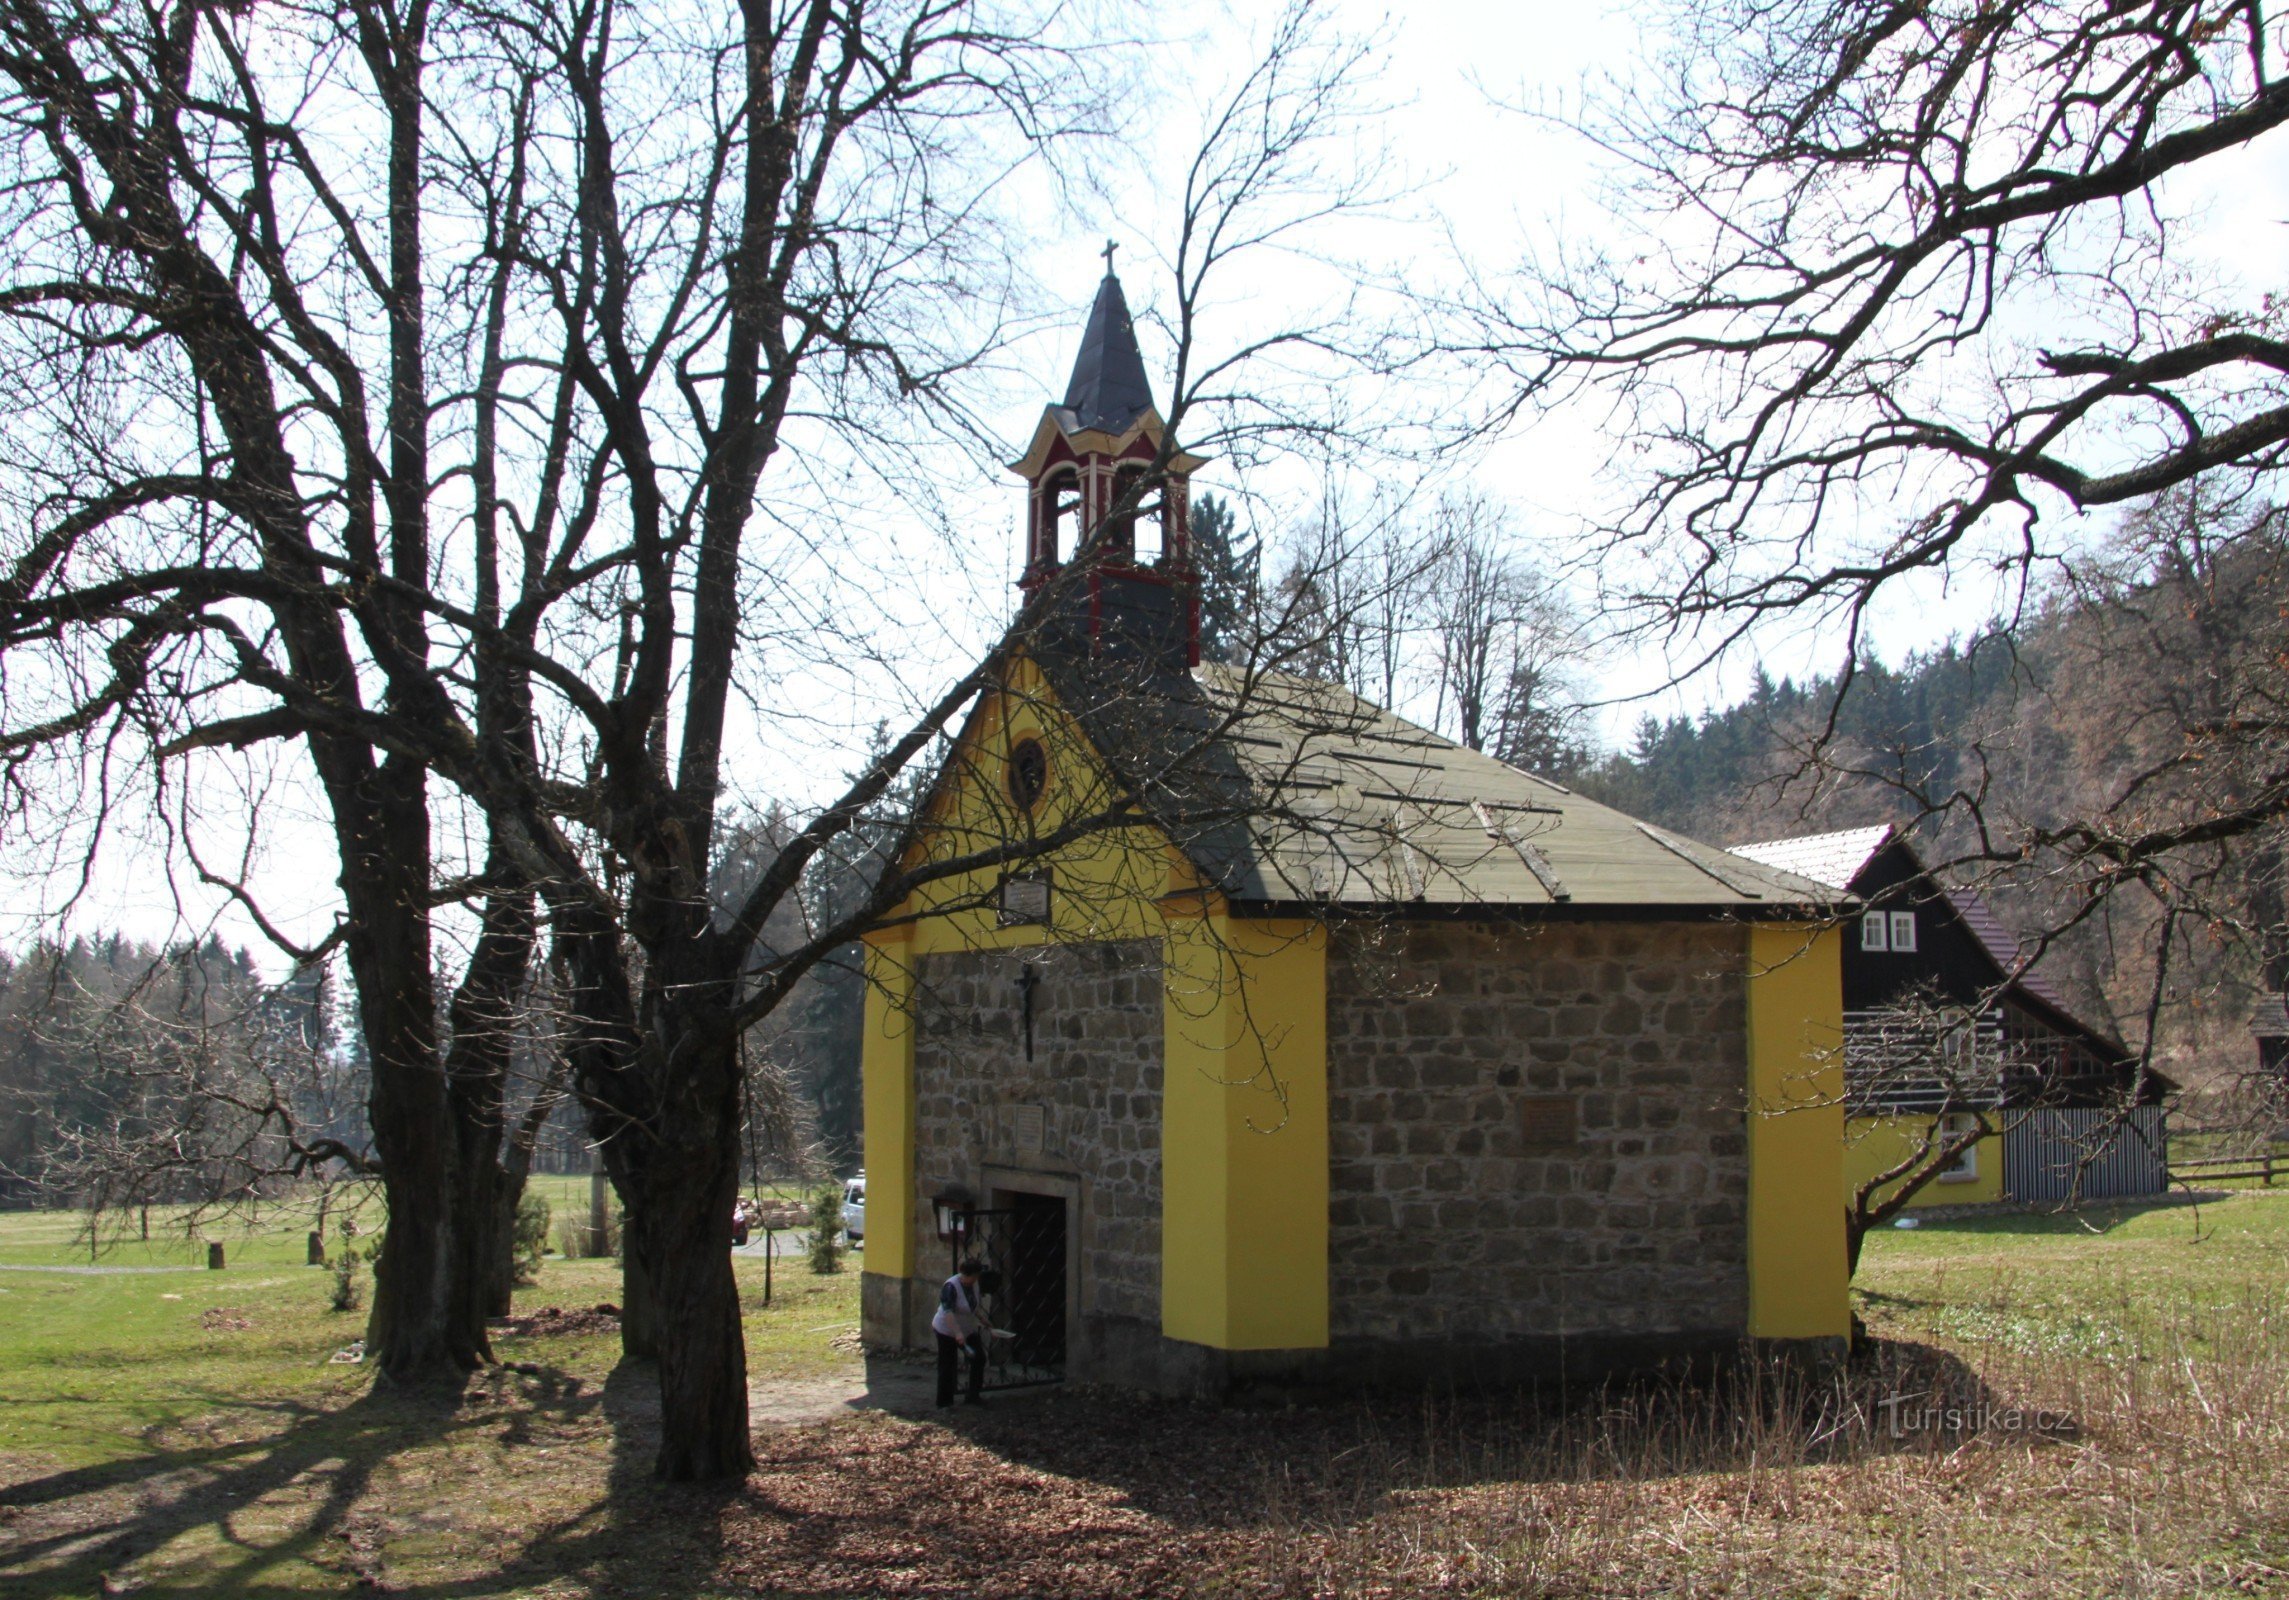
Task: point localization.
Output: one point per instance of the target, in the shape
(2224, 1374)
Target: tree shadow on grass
(1891, 1302)
(95, 1521)
(1073, 1493)
(2091, 1217)
(75, 1532)
(639, 1535)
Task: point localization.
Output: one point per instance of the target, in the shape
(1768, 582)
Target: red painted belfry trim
(1095, 479)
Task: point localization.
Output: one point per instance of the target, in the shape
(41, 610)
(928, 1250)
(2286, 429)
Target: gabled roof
(2001, 945)
(1838, 859)
(1831, 858)
(1108, 389)
(2269, 1018)
(1286, 790)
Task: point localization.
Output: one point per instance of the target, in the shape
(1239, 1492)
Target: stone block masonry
(1462, 1057)
(1084, 1113)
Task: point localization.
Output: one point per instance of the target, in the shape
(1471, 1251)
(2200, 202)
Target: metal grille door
(1022, 1247)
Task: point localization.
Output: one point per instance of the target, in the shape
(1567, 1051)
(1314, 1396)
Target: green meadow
(170, 1430)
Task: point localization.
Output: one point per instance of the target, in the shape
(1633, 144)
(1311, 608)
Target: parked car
(854, 1209)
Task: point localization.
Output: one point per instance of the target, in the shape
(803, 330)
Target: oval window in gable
(1028, 773)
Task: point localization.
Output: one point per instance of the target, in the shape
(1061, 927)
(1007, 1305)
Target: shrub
(574, 1240)
(349, 1289)
(826, 1229)
(530, 1235)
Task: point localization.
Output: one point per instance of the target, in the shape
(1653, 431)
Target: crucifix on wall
(1028, 980)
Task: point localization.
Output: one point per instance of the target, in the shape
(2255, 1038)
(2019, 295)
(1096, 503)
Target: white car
(854, 1208)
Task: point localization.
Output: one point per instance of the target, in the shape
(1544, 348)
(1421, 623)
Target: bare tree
(1447, 612)
(172, 1077)
(1902, 290)
(179, 583)
(1504, 638)
(1937, 1069)
(620, 271)
(273, 554)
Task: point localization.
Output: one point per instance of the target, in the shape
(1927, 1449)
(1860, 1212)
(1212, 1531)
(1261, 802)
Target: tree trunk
(477, 1071)
(639, 1308)
(682, 1233)
(500, 1245)
(416, 1328)
(513, 1172)
(663, 1094)
(414, 1331)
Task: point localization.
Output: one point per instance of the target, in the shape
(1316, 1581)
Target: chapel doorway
(1021, 1242)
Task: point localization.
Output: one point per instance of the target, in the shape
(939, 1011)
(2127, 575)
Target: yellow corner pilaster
(1799, 1287)
(1244, 1153)
(886, 1065)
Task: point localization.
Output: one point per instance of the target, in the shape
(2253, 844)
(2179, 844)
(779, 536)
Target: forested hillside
(1738, 774)
(2137, 689)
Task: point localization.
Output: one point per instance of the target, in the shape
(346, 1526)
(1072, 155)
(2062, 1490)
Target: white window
(1965, 1167)
(1872, 932)
(1903, 931)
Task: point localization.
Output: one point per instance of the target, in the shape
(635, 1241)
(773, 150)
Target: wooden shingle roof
(1288, 790)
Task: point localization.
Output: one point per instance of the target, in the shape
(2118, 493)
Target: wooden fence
(2211, 1169)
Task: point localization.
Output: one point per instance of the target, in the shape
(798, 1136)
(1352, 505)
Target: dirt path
(904, 1386)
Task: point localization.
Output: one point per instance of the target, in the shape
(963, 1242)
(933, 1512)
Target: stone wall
(1537, 1133)
(1083, 1116)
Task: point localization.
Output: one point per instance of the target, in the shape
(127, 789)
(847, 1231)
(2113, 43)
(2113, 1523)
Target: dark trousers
(949, 1353)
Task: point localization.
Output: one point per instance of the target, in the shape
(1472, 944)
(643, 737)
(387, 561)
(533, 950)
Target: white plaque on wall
(1025, 899)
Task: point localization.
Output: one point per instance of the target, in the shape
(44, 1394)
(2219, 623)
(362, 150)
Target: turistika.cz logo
(1922, 1413)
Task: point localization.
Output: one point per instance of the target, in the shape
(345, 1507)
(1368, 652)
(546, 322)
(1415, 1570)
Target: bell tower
(1114, 545)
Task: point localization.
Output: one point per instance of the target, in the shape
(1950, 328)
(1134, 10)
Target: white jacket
(958, 1315)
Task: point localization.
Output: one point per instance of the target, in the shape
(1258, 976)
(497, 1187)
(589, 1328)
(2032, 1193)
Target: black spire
(1109, 389)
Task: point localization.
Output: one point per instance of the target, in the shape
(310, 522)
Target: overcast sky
(1501, 184)
(924, 591)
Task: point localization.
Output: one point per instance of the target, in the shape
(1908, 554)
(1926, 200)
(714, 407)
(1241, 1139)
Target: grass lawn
(2120, 1283)
(179, 1432)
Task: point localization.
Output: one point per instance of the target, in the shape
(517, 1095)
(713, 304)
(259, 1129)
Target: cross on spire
(1108, 388)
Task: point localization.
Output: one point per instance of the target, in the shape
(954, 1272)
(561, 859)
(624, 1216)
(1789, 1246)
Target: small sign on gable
(1025, 899)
